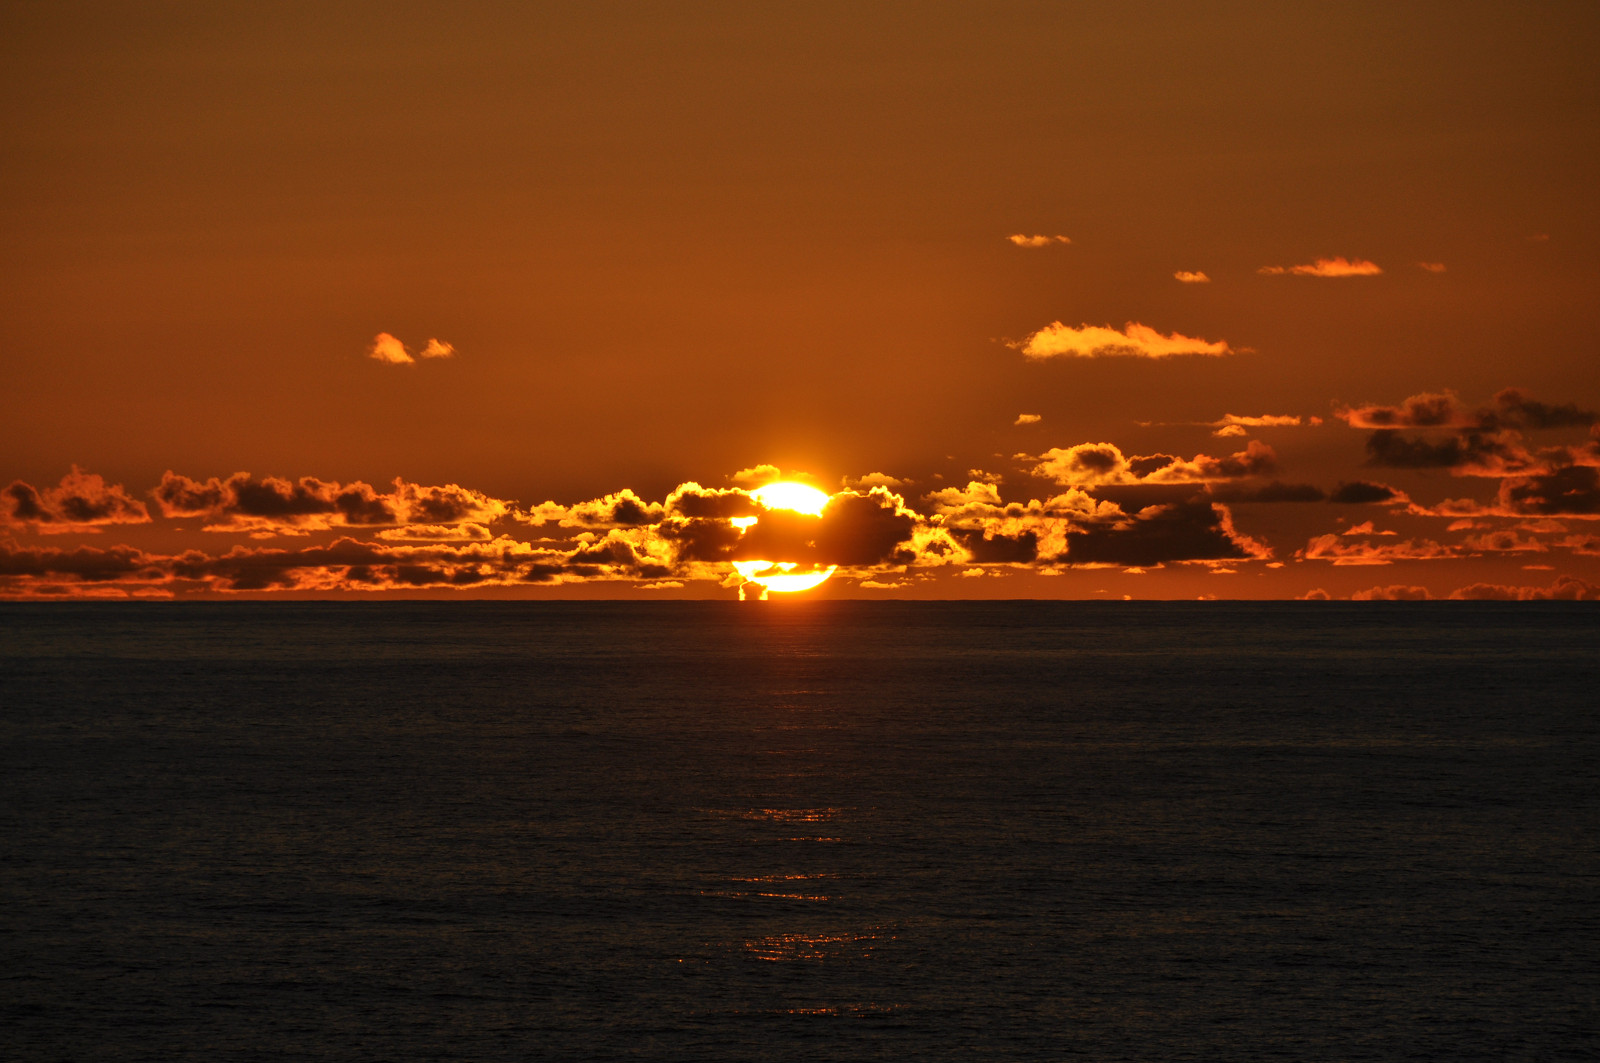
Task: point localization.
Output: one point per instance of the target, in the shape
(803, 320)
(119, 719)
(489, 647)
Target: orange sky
(664, 244)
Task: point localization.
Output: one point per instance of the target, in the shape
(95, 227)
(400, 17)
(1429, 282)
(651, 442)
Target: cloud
(1573, 491)
(1091, 464)
(1265, 420)
(437, 533)
(1057, 340)
(1022, 240)
(1330, 548)
(1177, 532)
(1510, 409)
(1565, 588)
(1427, 410)
(1186, 277)
(1431, 267)
(85, 564)
(1276, 491)
(1366, 493)
(272, 506)
(388, 349)
(1232, 424)
(1393, 593)
(1328, 267)
(1504, 541)
(623, 508)
(854, 530)
(1364, 528)
(82, 502)
(866, 483)
(756, 476)
(1468, 453)
(1027, 418)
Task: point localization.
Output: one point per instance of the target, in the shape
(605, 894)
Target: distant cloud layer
(1022, 240)
(389, 350)
(1527, 473)
(1057, 340)
(82, 502)
(1196, 277)
(1327, 267)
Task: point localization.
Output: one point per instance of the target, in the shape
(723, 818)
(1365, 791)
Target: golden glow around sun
(781, 576)
(786, 494)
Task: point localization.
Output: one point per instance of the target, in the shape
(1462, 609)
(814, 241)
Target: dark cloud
(996, 548)
(1565, 588)
(82, 502)
(274, 506)
(85, 563)
(1513, 410)
(865, 529)
(1572, 491)
(691, 501)
(1365, 493)
(1276, 491)
(854, 530)
(1469, 452)
(1510, 408)
(1183, 531)
(1428, 410)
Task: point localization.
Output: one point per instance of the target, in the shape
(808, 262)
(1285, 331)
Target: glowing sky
(1055, 300)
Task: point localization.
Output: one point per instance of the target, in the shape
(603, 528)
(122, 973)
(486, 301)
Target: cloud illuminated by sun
(781, 576)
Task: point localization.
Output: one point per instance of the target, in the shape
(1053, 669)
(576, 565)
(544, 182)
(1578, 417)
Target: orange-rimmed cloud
(1091, 464)
(1510, 409)
(1024, 240)
(1057, 340)
(81, 502)
(1332, 547)
(1563, 589)
(1184, 532)
(269, 505)
(1337, 266)
(1185, 276)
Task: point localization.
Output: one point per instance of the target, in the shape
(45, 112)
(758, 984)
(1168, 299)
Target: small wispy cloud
(1328, 267)
(1431, 267)
(1196, 277)
(1057, 340)
(391, 351)
(1027, 418)
(1023, 240)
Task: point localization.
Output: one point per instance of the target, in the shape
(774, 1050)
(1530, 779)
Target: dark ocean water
(800, 831)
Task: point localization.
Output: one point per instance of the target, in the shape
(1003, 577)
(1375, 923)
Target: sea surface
(800, 831)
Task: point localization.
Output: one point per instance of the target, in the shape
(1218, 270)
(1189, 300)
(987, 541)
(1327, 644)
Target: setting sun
(781, 576)
(786, 494)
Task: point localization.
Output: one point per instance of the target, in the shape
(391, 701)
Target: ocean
(800, 830)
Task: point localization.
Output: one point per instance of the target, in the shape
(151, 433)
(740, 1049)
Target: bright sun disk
(780, 575)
